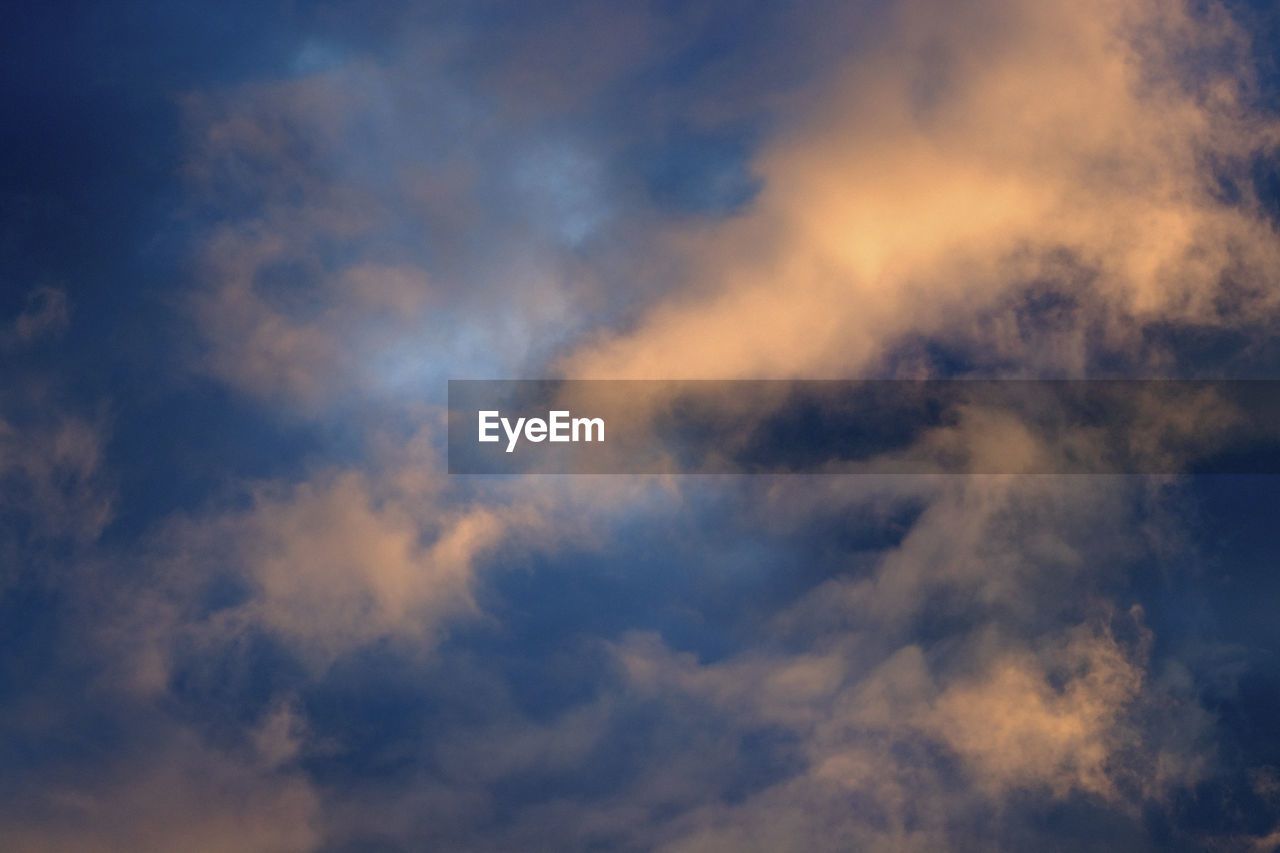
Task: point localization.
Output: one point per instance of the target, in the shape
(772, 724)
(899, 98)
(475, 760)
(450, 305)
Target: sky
(245, 607)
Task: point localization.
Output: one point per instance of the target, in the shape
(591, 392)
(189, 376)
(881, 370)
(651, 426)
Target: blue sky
(243, 607)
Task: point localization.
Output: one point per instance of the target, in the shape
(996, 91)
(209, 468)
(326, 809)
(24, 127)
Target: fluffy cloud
(1007, 147)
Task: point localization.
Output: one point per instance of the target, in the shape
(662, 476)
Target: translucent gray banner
(874, 427)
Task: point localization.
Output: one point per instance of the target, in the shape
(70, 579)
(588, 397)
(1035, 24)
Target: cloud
(943, 690)
(1016, 729)
(916, 751)
(331, 564)
(57, 491)
(182, 793)
(382, 227)
(53, 473)
(514, 202)
(1013, 146)
(330, 567)
(45, 314)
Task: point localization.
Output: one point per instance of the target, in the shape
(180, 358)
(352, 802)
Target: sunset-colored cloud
(963, 160)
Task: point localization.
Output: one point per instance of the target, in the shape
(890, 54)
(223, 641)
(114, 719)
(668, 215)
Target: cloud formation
(344, 648)
(976, 153)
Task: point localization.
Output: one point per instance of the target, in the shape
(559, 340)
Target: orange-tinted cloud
(962, 160)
